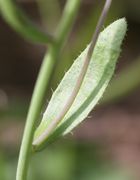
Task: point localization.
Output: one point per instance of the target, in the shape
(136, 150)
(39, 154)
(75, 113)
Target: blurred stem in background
(38, 97)
(50, 13)
(21, 24)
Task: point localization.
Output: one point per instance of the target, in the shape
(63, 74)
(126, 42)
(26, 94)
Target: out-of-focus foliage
(71, 161)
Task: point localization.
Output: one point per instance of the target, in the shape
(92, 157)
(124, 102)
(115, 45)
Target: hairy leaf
(98, 75)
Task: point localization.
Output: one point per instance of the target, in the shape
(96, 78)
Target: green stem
(41, 86)
(65, 25)
(66, 22)
(20, 23)
(34, 113)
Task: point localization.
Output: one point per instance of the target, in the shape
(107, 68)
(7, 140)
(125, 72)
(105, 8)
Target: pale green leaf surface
(98, 75)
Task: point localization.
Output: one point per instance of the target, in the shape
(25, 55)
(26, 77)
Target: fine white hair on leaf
(99, 73)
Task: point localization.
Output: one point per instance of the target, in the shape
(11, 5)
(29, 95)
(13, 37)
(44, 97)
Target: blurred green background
(107, 145)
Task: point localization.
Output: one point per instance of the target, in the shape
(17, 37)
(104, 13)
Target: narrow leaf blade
(98, 75)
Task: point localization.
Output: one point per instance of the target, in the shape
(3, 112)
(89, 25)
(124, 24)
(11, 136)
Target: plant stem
(66, 22)
(20, 23)
(34, 113)
(41, 86)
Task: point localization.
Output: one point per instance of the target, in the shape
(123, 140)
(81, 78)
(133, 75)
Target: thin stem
(20, 23)
(65, 25)
(75, 91)
(34, 113)
(40, 89)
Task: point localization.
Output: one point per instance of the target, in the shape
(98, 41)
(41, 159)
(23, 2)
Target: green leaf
(98, 75)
